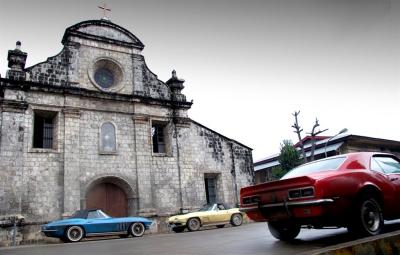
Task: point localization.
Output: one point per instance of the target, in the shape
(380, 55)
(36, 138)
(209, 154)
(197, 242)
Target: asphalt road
(247, 239)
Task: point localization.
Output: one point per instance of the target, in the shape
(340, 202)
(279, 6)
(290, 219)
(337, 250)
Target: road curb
(385, 244)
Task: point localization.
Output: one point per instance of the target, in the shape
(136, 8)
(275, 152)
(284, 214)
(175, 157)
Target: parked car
(357, 190)
(86, 223)
(216, 214)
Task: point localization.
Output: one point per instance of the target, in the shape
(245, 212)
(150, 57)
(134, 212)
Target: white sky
(248, 65)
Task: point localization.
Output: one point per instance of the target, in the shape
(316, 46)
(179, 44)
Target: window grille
(43, 129)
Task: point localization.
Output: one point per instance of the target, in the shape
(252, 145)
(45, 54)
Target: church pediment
(103, 31)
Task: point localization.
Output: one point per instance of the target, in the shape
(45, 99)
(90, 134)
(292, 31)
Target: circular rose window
(106, 74)
(104, 78)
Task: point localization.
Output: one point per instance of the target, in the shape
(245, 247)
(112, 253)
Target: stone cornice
(13, 105)
(140, 118)
(33, 86)
(75, 31)
(71, 112)
(182, 122)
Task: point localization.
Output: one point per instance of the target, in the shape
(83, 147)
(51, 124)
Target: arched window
(107, 138)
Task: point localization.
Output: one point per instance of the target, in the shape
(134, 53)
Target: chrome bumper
(49, 230)
(288, 204)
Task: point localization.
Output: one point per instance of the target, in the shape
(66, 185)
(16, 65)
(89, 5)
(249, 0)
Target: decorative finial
(176, 86)
(104, 8)
(16, 62)
(18, 45)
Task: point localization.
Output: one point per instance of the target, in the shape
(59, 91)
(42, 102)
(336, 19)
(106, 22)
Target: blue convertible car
(86, 223)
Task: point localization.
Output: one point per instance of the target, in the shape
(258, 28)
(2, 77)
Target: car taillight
(307, 192)
(295, 193)
(251, 200)
(301, 193)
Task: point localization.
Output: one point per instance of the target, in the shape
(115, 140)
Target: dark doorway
(211, 189)
(108, 197)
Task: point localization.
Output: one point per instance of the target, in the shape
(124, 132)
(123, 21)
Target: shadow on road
(331, 237)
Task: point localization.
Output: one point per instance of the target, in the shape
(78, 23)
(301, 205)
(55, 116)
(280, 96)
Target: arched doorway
(108, 197)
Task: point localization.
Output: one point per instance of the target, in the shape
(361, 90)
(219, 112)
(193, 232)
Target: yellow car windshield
(207, 208)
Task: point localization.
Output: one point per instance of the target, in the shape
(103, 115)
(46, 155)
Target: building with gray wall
(94, 127)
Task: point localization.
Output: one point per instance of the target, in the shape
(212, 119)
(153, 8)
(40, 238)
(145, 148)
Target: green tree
(277, 172)
(289, 157)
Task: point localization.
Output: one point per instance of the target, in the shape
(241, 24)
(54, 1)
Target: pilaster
(71, 160)
(143, 165)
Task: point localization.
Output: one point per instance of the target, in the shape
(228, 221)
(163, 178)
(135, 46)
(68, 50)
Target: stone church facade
(94, 127)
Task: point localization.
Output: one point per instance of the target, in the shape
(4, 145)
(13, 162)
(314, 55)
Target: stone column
(71, 161)
(143, 166)
(138, 65)
(12, 179)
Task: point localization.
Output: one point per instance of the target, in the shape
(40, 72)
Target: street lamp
(344, 130)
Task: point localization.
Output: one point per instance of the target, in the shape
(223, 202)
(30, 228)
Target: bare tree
(298, 131)
(313, 135)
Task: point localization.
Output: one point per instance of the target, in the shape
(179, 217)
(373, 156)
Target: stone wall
(57, 70)
(47, 184)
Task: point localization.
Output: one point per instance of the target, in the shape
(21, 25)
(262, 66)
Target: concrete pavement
(251, 238)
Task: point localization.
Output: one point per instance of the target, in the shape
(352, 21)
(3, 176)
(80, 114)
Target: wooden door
(108, 197)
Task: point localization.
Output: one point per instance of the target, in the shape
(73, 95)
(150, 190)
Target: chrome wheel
(193, 224)
(237, 220)
(74, 234)
(137, 229)
(366, 218)
(371, 216)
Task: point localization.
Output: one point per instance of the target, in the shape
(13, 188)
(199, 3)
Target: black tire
(367, 219)
(193, 224)
(137, 229)
(220, 226)
(178, 229)
(285, 231)
(236, 219)
(74, 234)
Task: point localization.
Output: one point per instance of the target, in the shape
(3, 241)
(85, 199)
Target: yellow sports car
(212, 214)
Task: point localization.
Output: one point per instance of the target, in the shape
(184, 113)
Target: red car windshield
(315, 167)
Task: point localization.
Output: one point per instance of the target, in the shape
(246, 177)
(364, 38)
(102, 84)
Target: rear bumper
(289, 204)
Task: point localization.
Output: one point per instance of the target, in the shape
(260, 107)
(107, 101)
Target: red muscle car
(357, 190)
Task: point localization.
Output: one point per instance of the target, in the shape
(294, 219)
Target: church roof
(103, 31)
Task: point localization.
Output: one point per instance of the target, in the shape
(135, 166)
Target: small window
(387, 165)
(211, 189)
(43, 129)
(158, 136)
(107, 138)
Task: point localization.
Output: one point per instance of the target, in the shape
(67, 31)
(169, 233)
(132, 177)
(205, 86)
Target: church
(93, 127)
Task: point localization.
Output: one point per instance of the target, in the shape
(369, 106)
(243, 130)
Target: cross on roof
(104, 8)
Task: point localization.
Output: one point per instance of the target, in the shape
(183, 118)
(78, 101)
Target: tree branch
(298, 131)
